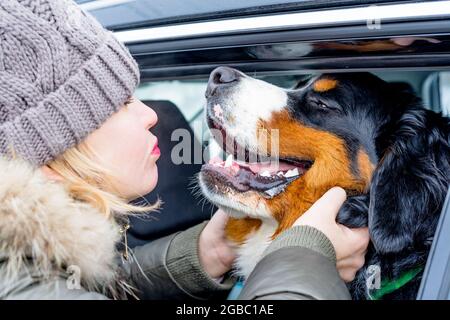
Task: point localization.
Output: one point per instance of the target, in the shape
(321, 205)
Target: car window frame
(435, 283)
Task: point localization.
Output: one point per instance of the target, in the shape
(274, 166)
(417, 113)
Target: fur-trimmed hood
(41, 223)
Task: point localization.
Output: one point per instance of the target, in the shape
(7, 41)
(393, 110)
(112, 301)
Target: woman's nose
(152, 118)
(148, 115)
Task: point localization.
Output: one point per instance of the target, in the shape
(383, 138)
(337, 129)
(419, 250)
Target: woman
(77, 148)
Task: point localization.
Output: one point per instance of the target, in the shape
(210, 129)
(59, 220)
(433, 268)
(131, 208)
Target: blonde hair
(88, 180)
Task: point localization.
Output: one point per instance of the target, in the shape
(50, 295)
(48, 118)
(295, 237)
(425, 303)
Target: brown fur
(331, 168)
(237, 229)
(324, 84)
(365, 167)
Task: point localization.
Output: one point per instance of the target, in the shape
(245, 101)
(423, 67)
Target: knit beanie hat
(61, 76)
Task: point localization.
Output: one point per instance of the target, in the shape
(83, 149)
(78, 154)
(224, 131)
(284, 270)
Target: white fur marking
(251, 251)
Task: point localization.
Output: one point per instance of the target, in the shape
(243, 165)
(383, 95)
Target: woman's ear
(410, 183)
(51, 174)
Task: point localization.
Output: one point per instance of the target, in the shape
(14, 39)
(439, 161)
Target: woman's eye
(323, 105)
(129, 101)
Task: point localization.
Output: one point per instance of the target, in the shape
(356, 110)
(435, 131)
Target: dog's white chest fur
(250, 252)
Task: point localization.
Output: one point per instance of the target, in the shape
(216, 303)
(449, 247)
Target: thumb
(330, 203)
(219, 219)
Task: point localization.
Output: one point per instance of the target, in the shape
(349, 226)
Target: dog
(352, 130)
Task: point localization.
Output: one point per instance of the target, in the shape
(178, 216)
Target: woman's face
(125, 145)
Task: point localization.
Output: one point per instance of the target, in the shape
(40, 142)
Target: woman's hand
(350, 244)
(216, 253)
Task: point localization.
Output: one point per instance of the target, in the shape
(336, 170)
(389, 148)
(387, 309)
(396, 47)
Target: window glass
(444, 90)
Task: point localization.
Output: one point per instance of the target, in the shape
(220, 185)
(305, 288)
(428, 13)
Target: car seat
(180, 209)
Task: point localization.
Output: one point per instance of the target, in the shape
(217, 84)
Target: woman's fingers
(218, 222)
(329, 203)
(322, 214)
(358, 240)
(349, 244)
(220, 217)
(348, 267)
(362, 238)
(216, 253)
(347, 274)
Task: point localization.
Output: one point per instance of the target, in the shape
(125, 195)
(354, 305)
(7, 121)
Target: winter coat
(55, 247)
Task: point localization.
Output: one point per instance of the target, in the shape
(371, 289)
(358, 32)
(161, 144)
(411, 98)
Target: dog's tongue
(264, 169)
(215, 160)
(270, 167)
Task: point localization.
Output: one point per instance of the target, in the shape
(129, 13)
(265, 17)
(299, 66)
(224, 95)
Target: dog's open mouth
(269, 178)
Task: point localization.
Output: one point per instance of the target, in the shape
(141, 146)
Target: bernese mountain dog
(288, 147)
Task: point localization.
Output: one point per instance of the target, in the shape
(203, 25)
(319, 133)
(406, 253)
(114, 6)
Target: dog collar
(236, 290)
(389, 286)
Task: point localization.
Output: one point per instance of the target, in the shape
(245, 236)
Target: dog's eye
(323, 105)
(319, 104)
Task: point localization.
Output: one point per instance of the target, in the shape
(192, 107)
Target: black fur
(411, 148)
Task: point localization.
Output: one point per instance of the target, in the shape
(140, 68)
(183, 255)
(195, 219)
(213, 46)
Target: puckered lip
(269, 177)
(155, 150)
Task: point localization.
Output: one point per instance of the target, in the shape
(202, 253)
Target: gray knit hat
(61, 76)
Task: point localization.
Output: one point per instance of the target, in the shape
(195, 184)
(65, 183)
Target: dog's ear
(409, 185)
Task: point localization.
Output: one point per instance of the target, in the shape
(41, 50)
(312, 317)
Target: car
(178, 43)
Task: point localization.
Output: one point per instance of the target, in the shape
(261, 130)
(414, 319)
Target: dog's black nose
(221, 76)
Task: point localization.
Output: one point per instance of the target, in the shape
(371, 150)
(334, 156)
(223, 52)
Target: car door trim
(436, 277)
(368, 15)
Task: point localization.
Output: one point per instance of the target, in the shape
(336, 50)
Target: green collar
(388, 286)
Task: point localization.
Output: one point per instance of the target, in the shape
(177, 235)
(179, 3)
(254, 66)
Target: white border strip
(300, 20)
(102, 4)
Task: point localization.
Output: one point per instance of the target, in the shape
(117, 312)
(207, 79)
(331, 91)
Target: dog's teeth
(218, 111)
(241, 163)
(291, 173)
(265, 174)
(274, 191)
(280, 174)
(271, 193)
(229, 161)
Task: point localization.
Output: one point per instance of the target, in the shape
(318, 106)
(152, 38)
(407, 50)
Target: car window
(188, 96)
(130, 12)
(436, 92)
(436, 277)
(444, 92)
